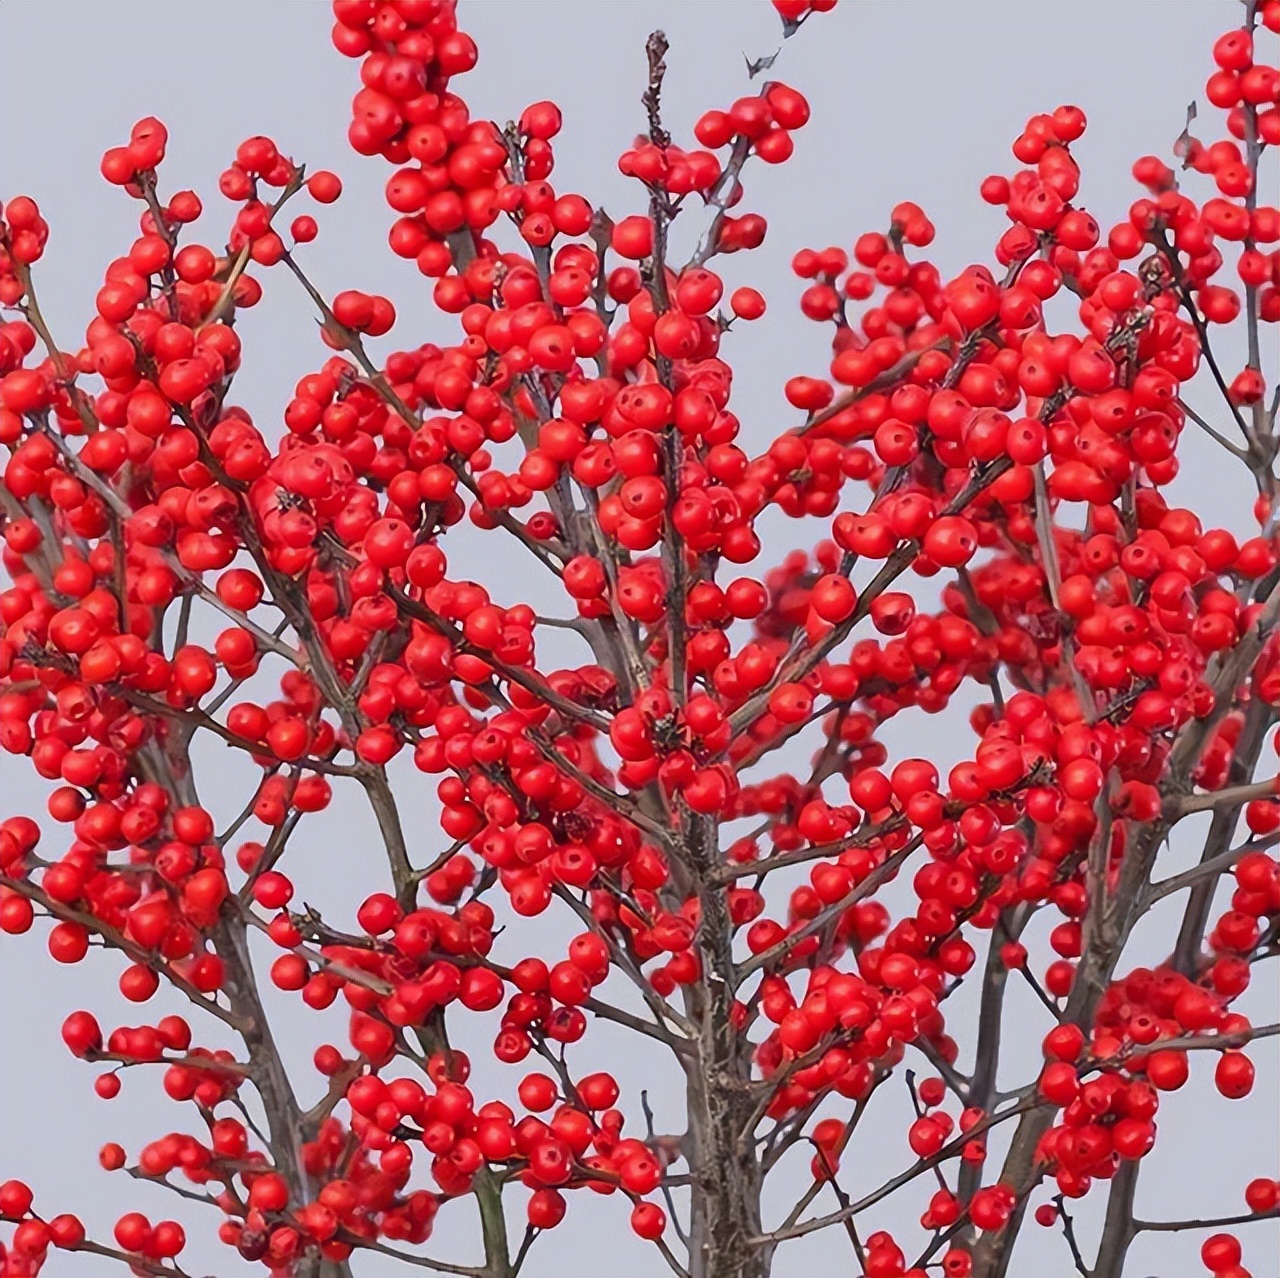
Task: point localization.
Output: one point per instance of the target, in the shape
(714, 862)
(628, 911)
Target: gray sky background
(912, 100)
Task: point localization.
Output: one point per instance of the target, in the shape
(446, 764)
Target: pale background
(910, 100)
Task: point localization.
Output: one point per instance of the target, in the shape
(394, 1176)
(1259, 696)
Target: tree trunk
(721, 1102)
(727, 1176)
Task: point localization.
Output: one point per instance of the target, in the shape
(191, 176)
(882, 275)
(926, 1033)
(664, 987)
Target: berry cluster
(1124, 658)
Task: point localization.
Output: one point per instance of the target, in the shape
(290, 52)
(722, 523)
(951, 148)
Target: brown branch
(891, 1186)
(1117, 1226)
(1209, 869)
(892, 376)
(662, 1010)
(1185, 1043)
(193, 718)
(66, 373)
(1234, 449)
(805, 657)
(135, 1260)
(117, 940)
(1053, 575)
(1069, 1233)
(408, 1258)
(242, 258)
(1232, 796)
(766, 865)
(880, 875)
(1209, 1222)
